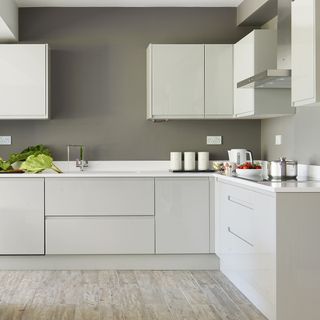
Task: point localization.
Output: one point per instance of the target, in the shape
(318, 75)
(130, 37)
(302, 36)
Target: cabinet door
(303, 52)
(178, 81)
(182, 215)
(243, 68)
(219, 81)
(21, 216)
(23, 81)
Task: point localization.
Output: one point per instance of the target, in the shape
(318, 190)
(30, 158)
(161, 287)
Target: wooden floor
(134, 295)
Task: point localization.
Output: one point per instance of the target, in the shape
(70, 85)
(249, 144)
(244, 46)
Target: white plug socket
(216, 140)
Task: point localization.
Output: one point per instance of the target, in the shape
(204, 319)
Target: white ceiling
(128, 3)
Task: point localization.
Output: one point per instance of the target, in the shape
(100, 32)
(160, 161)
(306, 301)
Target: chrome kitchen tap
(80, 162)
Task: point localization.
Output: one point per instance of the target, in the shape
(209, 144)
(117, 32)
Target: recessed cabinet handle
(236, 235)
(240, 203)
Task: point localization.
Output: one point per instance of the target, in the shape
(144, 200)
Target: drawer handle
(240, 203)
(236, 235)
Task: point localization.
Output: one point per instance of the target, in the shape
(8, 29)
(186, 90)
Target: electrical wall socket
(214, 140)
(5, 140)
(278, 139)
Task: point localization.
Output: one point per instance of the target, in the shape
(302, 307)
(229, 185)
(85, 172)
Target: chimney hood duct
(279, 78)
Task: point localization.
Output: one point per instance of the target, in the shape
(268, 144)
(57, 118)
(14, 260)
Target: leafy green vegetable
(33, 150)
(39, 163)
(4, 165)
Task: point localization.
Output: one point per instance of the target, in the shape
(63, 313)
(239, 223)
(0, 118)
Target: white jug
(239, 156)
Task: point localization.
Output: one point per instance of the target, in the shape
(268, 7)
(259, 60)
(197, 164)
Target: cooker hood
(279, 78)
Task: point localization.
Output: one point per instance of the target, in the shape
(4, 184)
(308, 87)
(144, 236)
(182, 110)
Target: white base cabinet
(182, 215)
(100, 235)
(305, 53)
(268, 247)
(24, 81)
(22, 216)
(246, 243)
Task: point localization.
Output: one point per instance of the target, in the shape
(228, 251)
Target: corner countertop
(302, 186)
(158, 169)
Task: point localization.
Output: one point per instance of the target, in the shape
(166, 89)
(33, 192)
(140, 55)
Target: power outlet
(216, 140)
(278, 140)
(5, 140)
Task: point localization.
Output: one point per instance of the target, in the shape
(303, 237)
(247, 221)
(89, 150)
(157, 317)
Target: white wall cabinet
(24, 81)
(21, 216)
(182, 215)
(189, 81)
(253, 54)
(218, 81)
(176, 81)
(305, 53)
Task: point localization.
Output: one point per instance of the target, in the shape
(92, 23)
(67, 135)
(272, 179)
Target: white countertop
(271, 186)
(123, 169)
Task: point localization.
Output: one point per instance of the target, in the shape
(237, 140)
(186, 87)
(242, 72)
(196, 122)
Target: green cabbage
(33, 150)
(39, 163)
(4, 165)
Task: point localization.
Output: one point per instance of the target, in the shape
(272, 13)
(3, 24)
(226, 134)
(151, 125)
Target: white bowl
(247, 173)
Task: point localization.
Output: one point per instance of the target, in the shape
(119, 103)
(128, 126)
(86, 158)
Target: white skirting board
(111, 262)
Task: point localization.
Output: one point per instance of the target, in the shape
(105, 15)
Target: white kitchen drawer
(100, 235)
(99, 196)
(238, 214)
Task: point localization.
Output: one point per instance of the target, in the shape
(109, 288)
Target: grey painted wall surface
(301, 136)
(98, 82)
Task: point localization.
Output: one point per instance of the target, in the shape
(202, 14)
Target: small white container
(189, 161)
(175, 161)
(203, 161)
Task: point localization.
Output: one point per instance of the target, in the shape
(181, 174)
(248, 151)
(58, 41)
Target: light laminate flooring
(122, 295)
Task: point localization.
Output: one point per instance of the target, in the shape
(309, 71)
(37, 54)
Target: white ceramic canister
(175, 161)
(189, 161)
(203, 161)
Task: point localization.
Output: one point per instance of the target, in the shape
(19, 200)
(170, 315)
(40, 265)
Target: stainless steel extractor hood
(279, 78)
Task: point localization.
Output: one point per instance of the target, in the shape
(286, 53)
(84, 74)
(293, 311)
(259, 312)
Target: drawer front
(100, 235)
(247, 248)
(99, 196)
(237, 207)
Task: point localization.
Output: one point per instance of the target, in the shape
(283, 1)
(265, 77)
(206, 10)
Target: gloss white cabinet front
(100, 235)
(246, 243)
(305, 53)
(175, 81)
(100, 196)
(21, 216)
(182, 215)
(218, 81)
(24, 81)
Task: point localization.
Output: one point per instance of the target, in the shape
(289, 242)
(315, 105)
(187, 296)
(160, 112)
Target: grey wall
(301, 136)
(98, 83)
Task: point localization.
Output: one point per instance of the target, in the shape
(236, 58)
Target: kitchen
(133, 89)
